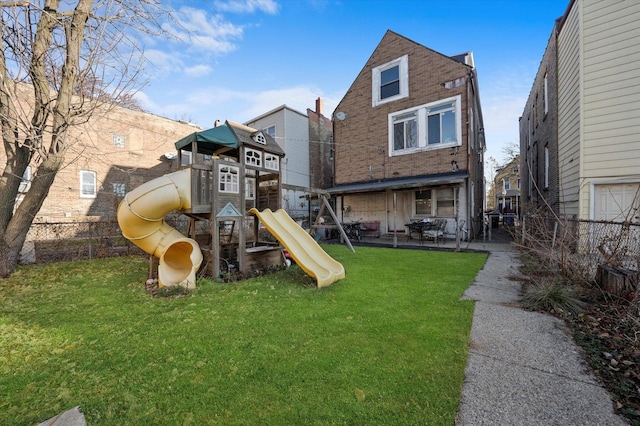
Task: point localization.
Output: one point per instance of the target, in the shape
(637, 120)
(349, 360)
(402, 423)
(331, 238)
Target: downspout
(141, 219)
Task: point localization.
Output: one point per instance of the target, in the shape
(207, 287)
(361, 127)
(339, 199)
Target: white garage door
(618, 202)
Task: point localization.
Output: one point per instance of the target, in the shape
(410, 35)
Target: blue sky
(246, 57)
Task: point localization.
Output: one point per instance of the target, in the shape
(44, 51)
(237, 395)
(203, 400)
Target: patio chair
(436, 232)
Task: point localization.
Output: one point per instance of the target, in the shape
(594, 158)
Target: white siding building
(290, 129)
(599, 110)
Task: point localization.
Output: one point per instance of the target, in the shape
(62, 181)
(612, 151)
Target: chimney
(319, 106)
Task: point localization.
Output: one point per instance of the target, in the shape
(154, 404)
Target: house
(409, 140)
(306, 141)
(116, 150)
(579, 131)
(507, 187)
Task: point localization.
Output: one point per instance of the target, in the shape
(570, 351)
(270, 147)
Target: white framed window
(390, 81)
(25, 183)
(429, 126)
(518, 183)
(88, 184)
(249, 188)
(120, 189)
(271, 131)
(253, 157)
(546, 167)
(185, 157)
(445, 202)
(545, 97)
(228, 178)
(405, 131)
(271, 162)
(259, 137)
(118, 140)
(435, 202)
(506, 184)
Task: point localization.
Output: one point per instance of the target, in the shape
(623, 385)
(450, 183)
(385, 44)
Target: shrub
(552, 295)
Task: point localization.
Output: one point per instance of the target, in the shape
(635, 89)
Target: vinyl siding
(611, 108)
(296, 163)
(569, 112)
(292, 135)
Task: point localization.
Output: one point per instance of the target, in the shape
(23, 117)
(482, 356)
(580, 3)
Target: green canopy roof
(209, 140)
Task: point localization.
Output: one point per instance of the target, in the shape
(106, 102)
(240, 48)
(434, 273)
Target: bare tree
(511, 150)
(60, 63)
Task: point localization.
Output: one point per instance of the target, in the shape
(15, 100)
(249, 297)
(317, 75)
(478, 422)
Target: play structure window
(229, 179)
(250, 188)
(271, 162)
(260, 138)
(185, 158)
(253, 157)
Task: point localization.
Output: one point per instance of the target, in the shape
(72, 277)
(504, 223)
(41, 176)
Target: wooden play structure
(229, 186)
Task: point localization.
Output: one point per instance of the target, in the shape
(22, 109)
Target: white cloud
(299, 98)
(248, 6)
(501, 123)
(205, 105)
(163, 61)
(204, 32)
(145, 102)
(197, 71)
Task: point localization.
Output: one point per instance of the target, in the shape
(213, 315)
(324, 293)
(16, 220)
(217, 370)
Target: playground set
(231, 193)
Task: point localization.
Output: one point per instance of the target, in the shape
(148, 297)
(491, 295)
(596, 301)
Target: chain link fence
(578, 247)
(60, 241)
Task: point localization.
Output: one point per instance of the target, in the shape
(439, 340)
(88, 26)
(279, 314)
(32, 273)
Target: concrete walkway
(523, 367)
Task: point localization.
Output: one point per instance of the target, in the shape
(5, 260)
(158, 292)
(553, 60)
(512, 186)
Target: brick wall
(147, 138)
(362, 151)
(539, 130)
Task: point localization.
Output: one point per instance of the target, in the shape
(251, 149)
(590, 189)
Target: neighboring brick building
(409, 139)
(114, 152)
(539, 136)
(579, 133)
(320, 147)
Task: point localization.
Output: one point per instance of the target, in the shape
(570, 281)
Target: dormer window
(260, 138)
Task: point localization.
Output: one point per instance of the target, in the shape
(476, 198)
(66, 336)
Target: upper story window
(506, 184)
(25, 183)
(546, 167)
(545, 95)
(253, 157)
(118, 140)
(88, 184)
(271, 131)
(390, 81)
(228, 178)
(405, 131)
(441, 124)
(271, 162)
(429, 126)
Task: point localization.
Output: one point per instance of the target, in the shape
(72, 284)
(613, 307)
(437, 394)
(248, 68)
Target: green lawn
(386, 345)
